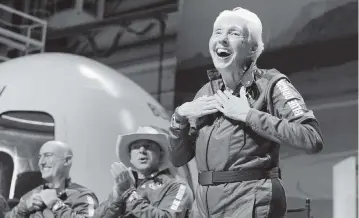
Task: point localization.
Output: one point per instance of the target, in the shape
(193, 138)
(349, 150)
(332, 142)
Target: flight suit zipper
(216, 125)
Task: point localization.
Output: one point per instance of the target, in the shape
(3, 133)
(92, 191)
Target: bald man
(59, 197)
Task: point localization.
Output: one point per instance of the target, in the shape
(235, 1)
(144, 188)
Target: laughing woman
(236, 124)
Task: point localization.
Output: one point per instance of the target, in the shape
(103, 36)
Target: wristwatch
(132, 196)
(57, 205)
(176, 124)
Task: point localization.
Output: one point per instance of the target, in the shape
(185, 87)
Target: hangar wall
(137, 38)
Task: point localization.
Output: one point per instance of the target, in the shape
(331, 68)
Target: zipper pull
(218, 121)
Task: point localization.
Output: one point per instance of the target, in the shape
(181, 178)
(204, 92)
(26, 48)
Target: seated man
(149, 190)
(59, 197)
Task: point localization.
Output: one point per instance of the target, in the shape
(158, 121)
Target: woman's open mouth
(223, 53)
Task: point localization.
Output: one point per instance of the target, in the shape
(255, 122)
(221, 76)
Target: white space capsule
(72, 99)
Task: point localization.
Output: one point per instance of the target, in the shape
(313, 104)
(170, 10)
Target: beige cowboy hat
(143, 133)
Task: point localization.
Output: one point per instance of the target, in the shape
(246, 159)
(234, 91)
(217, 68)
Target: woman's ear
(254, 48)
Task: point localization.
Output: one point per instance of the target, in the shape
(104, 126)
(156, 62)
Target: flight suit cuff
(128, 194)
(22, 208)
(252, 115)
(179, 118)
(178, 121)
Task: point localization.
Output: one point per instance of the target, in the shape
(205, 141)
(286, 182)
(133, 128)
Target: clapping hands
(123, 179)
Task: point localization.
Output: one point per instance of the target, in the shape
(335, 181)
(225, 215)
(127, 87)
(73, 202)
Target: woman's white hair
(254, 27)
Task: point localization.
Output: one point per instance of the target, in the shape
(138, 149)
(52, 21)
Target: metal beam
(21, 14)
(345, 45)
(147, 42)
(12, 44)
(118, 19)
(100, 9)
(162, 22)
(20, 37)
(79, 5)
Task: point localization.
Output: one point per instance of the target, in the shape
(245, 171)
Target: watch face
(174, 124)
(57, 205)
(133, 196)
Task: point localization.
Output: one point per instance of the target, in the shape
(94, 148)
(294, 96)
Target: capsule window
(22, 133)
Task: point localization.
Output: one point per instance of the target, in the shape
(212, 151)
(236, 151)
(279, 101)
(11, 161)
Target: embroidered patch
(91, 206)
(179, 197)
(175, 204)
(296, 108)
(180, 192)
(155, 186)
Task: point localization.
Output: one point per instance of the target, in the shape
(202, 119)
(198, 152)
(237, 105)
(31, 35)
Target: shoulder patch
(288, 95)
(91, 205)
(155, 185)
(179, 197)
(284, 89)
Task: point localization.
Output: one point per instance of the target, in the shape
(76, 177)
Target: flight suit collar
(154, 176)
(67, 184)
(62, 195)
(213, 74)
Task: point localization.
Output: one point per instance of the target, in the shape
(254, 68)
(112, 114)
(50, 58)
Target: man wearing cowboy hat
(144, 186)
